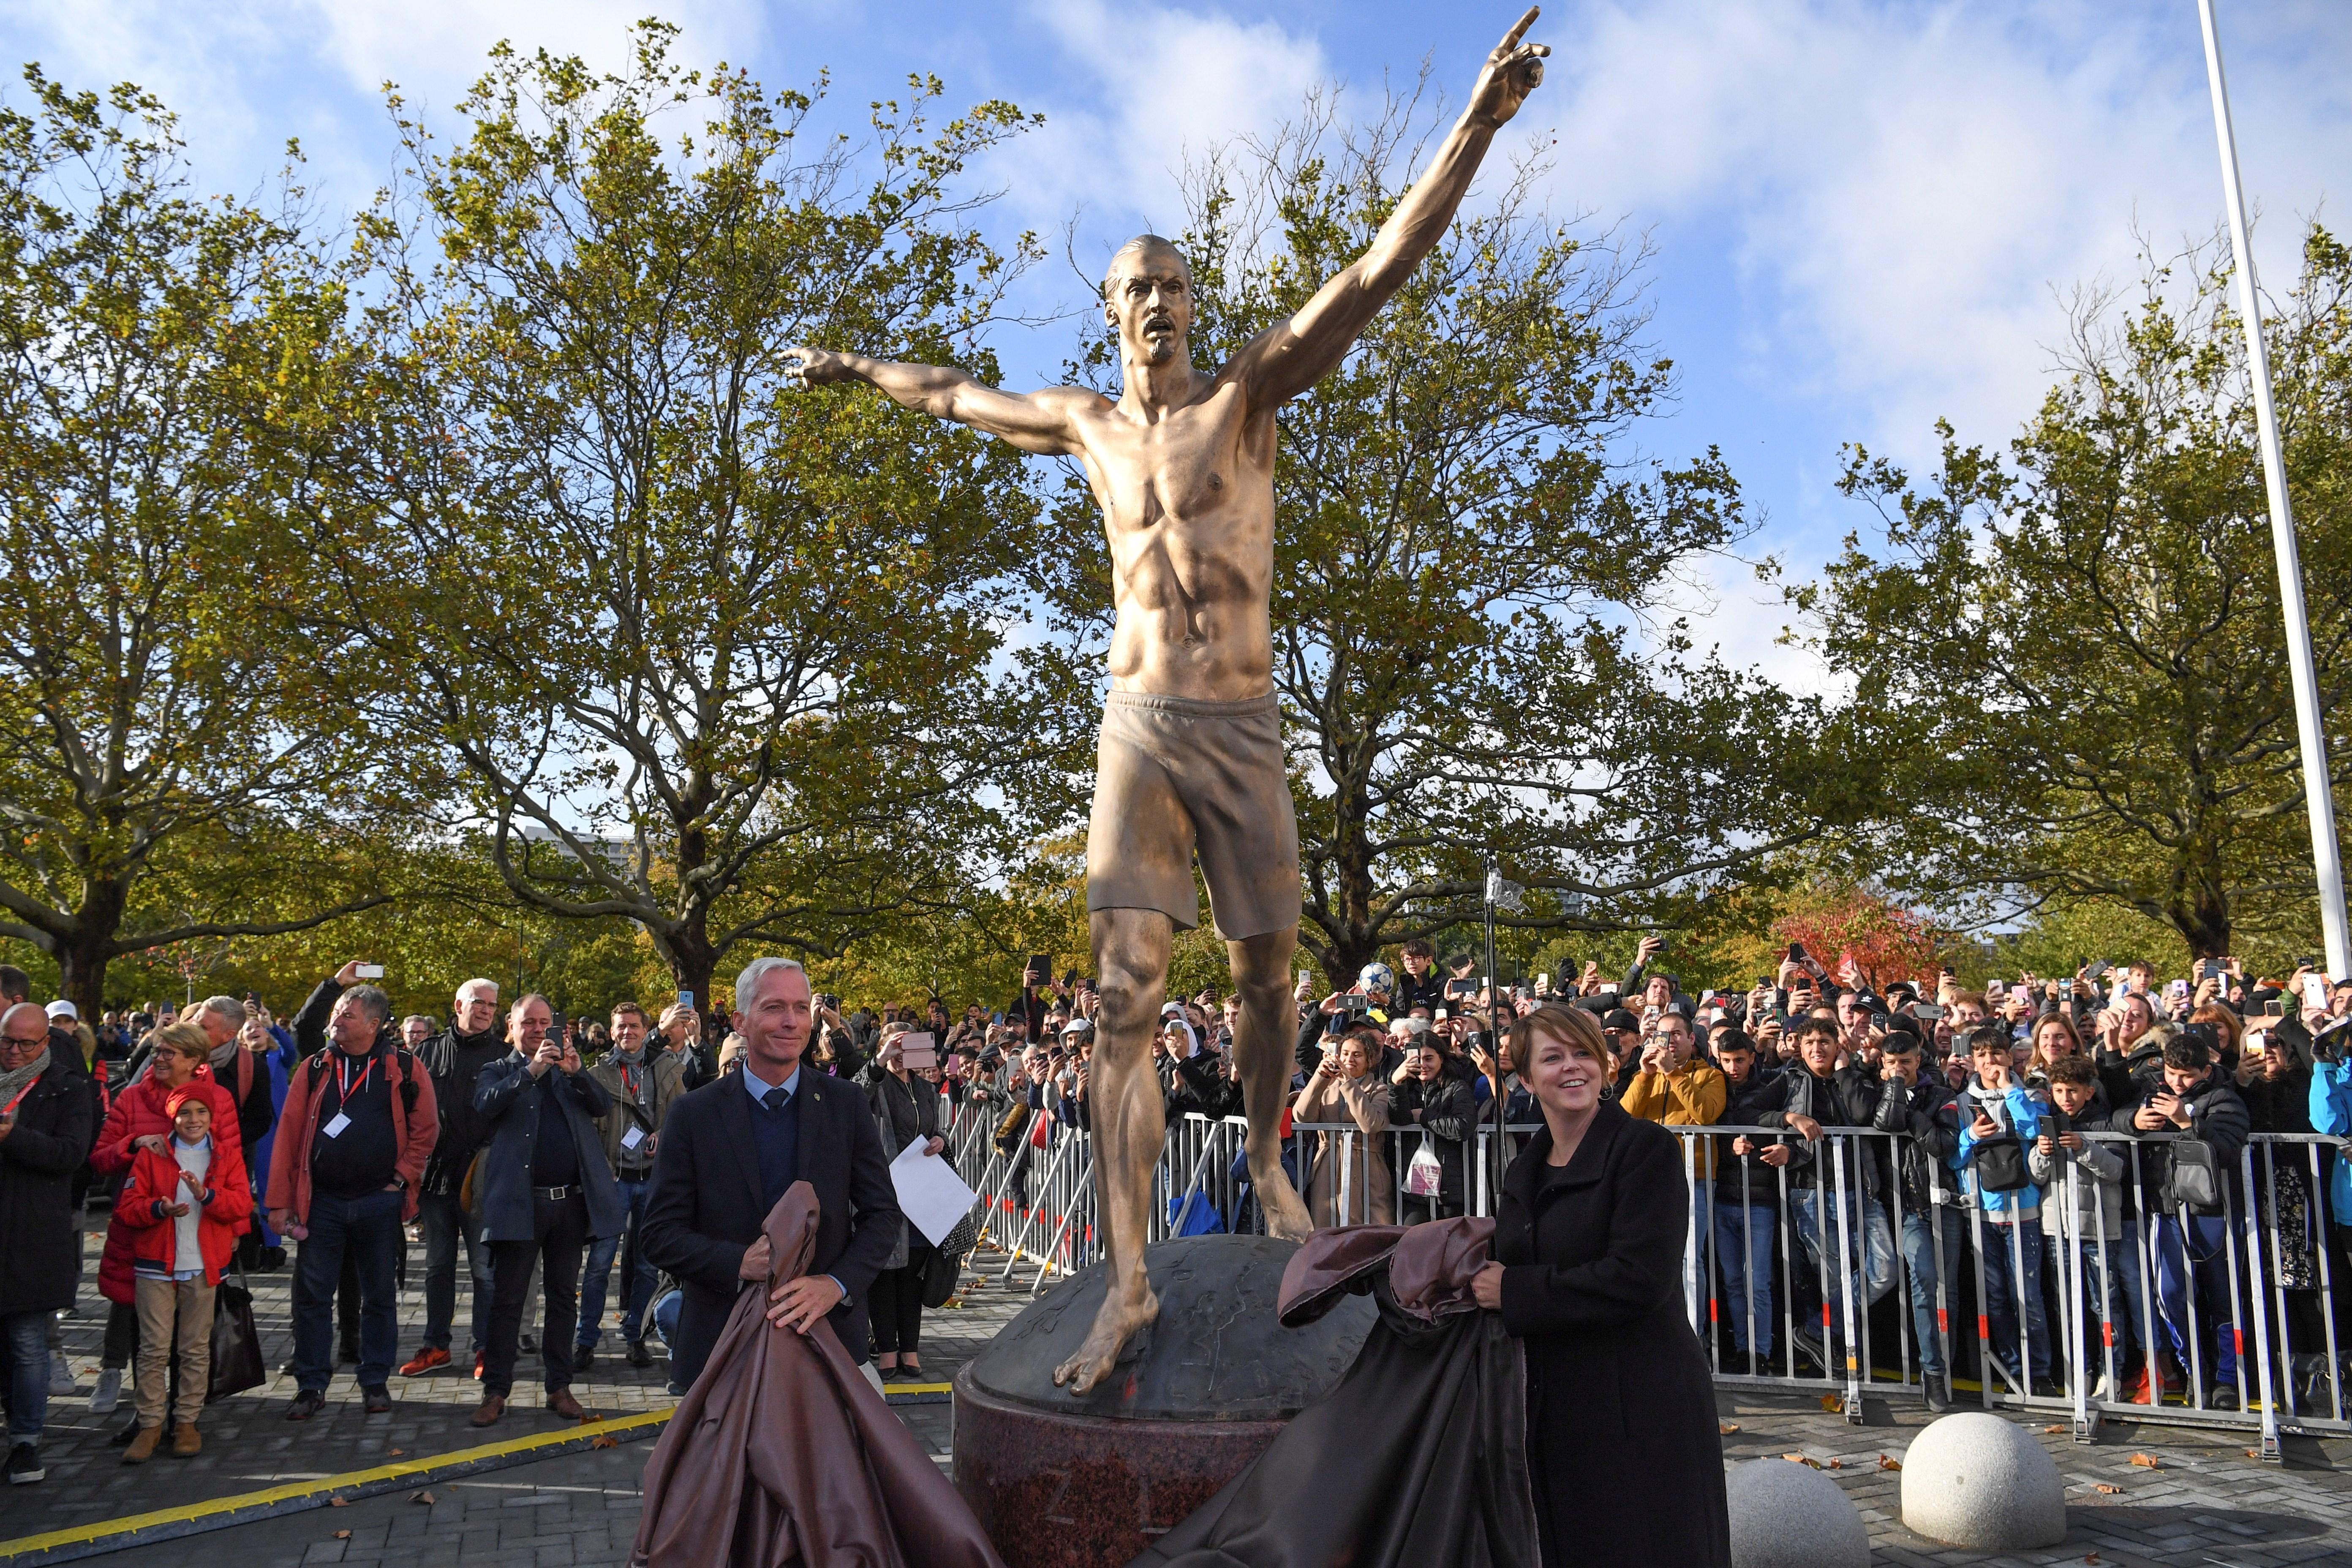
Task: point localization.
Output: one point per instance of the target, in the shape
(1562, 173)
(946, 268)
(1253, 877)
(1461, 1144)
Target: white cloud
(1148, 87)
(1904, 192)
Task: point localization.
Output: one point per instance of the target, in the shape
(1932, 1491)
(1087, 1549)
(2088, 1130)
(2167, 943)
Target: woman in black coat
(906, 1108)
(1623, 1443)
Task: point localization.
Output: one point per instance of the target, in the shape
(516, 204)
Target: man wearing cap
(1622, 1031)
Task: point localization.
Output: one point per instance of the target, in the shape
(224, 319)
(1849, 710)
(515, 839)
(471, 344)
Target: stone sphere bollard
(1974, 1479)
(1787, 1515)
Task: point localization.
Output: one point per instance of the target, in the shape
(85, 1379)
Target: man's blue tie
(775, 1098)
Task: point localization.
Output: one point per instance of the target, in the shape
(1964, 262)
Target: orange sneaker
(425, 1361)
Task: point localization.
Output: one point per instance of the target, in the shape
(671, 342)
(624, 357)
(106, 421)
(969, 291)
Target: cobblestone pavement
(2206, 1503)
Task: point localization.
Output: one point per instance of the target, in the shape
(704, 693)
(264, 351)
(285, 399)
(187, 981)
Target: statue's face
(1150, 304)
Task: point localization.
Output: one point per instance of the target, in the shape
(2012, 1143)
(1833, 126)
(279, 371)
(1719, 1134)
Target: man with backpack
(359, 1123)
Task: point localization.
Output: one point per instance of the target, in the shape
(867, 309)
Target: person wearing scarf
(644, 1085)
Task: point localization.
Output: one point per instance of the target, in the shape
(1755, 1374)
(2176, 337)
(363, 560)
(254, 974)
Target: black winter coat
(1623, 1443)
(455, 1063)
(52, 1140)
(1447, 1110)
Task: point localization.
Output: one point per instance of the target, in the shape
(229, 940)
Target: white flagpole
(2319, 797)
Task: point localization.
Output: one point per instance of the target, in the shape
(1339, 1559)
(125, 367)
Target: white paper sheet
(930, 1194)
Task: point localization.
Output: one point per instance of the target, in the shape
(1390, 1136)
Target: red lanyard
(10, 1109)
(343, 1086)
(629, 1081)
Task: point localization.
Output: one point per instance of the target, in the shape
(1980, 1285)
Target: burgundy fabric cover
(783, 1453)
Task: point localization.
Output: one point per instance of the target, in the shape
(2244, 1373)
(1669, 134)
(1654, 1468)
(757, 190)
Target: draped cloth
(1419, 1457)
(784, 1456)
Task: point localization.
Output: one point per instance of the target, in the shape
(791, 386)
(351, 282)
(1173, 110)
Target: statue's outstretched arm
(1037, 422)
(1286, 359)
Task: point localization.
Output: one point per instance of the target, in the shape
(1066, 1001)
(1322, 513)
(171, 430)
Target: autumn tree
(169, 772)
(697, 651)
(2068, 659)
(1477, 642)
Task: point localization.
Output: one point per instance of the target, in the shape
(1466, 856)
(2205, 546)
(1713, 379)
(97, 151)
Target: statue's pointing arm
(1286, 359)
(1034, 421)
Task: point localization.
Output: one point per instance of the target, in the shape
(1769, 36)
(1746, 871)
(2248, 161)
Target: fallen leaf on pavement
(420, 1497)
(1887, 1463)
(337, 1502)
(605, 1443)
(1727, 1427)
(1832, 1401)
(2054, 1426)
(2108, 1491)
(342, 1535)
(2146, 1461)
(1836, 1465)
(2093, 1557)
(1800, 1459)
(395, 1453)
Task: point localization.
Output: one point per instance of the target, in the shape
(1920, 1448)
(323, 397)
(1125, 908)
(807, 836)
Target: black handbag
(236, 1346)
(2195, 1181)
(2000, 1165)
(943, 1267)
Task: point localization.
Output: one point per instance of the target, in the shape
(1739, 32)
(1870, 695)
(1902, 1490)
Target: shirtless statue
(1190, 757)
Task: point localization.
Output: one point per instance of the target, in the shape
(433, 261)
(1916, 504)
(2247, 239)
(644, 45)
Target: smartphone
(1796, 952)
(2212, 969)
(1042, 963)
(2315, 993)
(2098, 970)
(369, 971)
(555, 1029)
(686, 1000)
(1543, 982)
(2177, 988)
(1931, 1012)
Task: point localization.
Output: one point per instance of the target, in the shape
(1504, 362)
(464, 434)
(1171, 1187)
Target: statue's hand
(805, 367)
(1512, 71)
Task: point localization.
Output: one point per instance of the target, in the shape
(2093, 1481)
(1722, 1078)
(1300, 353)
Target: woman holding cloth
(1623, 1446)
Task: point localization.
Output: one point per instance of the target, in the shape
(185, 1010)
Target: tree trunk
(84, 953)
(2199, 907)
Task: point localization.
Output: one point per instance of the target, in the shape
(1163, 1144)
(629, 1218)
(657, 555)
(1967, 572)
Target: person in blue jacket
(1997, 1111)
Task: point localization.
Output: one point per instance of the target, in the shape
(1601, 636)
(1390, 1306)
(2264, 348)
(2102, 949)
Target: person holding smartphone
(545, 1191)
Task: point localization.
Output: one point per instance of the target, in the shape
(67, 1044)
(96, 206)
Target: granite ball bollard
(1788, 1515)
(1974, 1479)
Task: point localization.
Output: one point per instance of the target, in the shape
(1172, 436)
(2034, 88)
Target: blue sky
(1865, 214)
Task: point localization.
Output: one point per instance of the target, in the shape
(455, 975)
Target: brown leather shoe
(142, 1447)
(493, 1405)
(563, 1404)
(186, 1441)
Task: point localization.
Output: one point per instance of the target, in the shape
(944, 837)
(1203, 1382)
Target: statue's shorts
(1173, 775)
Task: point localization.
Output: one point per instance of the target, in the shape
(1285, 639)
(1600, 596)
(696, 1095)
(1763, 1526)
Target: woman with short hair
(1623, 1446)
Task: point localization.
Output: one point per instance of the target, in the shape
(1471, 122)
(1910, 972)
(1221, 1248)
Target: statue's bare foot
(1122, 1315)
(1285, 1214)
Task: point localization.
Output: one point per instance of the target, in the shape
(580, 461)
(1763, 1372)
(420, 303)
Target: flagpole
(2319, 796)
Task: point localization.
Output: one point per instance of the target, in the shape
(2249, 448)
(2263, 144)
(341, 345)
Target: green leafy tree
(699, 653)
(161, 355)
(2070, 659)
(1476, 639)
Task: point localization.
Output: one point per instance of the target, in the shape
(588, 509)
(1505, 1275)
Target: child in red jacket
(184, 1207)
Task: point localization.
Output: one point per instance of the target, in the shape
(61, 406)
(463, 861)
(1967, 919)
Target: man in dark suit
(728, 1151)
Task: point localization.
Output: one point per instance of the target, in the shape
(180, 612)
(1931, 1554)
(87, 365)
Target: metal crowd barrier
(1825, 1268)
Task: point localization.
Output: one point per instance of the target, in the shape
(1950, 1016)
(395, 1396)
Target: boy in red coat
(184, 1207)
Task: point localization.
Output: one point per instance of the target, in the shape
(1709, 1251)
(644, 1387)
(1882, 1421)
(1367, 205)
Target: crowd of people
(217, 1137)
(2087, 1129)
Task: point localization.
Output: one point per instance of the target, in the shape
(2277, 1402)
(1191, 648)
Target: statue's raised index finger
(1191, 763)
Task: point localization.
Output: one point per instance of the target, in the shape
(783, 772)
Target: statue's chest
(1190, 465)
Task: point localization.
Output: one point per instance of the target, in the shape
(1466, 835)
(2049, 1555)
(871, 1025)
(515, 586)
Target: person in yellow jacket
(1674, 1086)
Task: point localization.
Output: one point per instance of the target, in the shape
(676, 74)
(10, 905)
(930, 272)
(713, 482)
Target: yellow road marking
(132, 1524)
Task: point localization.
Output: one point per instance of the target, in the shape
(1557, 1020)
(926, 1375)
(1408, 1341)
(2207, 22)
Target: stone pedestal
(1064, 1483)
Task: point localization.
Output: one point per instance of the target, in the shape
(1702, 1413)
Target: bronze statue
(1191, 756)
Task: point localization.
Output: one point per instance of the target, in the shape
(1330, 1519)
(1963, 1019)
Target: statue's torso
(1187, 505)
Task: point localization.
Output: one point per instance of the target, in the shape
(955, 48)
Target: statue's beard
(1161, 340)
